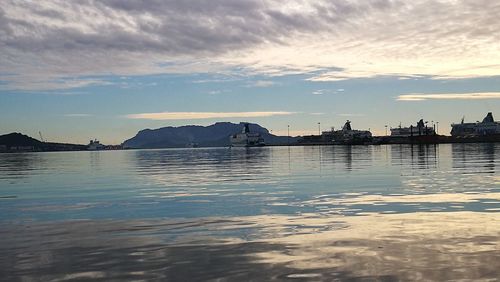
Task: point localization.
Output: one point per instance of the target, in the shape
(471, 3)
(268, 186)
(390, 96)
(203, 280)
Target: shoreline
(393, 142)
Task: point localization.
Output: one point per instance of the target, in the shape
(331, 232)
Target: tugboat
(349, 136)
(246, 138)
(488, 127)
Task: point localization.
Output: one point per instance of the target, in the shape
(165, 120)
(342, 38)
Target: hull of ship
(246, 145)
(493, 138)
(353, 142)
(246, 140)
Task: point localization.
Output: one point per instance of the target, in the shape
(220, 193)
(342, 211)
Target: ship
(419, 130)
(488, 127)
(246, 138)
(349, 136)
(95, 145)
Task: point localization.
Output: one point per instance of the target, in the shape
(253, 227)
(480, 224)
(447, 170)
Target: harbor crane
(41, 137)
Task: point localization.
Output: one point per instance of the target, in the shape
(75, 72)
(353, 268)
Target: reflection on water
(470, 156)
(186, 167)
(420, 246)
(418, 156)
(397, 212)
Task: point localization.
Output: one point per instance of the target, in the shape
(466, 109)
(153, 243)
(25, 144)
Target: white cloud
(449, 96)
(214, 92)
(204, 115)
(342, 75)
(262, 83)
(77, 115)
(45, 42)
(327, 91)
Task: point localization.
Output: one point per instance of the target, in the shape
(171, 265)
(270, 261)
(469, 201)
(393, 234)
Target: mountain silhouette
(215, 135)
(12, 142)
(18, 139)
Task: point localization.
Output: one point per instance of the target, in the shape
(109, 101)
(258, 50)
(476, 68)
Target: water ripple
(397, 212)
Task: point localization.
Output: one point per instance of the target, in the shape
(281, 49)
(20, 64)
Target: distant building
(22, 148)
(314, 139)
(113, 147)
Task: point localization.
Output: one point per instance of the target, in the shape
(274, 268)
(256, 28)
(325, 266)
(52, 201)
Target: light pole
(437, 127)
(288, 134)
(386, 130)
(319, 128)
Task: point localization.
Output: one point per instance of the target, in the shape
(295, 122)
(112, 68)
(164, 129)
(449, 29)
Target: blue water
(396, 212)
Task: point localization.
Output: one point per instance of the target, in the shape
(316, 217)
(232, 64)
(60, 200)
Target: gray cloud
(44, 41)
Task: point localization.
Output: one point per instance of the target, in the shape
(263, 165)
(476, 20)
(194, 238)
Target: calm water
(395, 212)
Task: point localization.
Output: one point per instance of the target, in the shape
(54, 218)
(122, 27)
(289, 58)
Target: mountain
(17, 139)
(215, 135)
(17, 142)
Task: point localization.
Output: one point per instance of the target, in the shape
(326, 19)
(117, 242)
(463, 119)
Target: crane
(41, 137)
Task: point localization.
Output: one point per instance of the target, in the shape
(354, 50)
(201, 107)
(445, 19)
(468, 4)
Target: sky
(78, 70)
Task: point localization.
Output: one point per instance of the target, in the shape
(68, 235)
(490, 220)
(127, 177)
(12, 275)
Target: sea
(313, 213)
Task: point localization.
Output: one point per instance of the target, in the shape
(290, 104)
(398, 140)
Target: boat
(420, 130)
(349, 136)
(246, 138)
(488, 127)
(95, 145)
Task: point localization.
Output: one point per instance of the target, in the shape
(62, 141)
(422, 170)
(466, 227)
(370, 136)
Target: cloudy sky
(105, 69)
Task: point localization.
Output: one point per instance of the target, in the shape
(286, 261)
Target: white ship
(350, 136)
(95, 145)
(485, 128)
(419, 130)
(246, 138)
